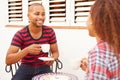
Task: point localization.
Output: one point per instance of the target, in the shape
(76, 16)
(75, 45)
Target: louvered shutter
(15, 11)
(34, 1)
(82, 8)
(57, 11)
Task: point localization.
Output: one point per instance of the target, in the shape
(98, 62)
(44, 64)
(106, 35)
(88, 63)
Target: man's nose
(40, 16)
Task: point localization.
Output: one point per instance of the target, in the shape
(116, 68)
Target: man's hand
(49, 63)
(33, 49)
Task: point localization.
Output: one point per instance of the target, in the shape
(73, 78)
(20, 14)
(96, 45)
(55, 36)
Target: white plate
(46, 58)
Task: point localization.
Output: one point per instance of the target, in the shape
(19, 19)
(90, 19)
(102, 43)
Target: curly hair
(105, 15)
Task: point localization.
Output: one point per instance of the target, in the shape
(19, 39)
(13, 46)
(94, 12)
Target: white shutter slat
(14, 0)
(56, 19)
(15, 19)
(82, 9)
(13, 4)
(20, 8)
(15, 11)
(15, 15)
(58, 14)
(57, 10)
(56, 1)
(34, 1)
(82, 13)
(84, 3)
(79, 19)
(59, 5)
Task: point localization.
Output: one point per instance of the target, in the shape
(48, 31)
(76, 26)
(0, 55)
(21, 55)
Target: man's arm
(14, 55)
(54, 50)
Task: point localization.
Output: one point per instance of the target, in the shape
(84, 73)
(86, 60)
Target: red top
(23, 38)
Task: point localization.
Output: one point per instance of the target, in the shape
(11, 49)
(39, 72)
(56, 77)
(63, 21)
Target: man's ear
(28, 15)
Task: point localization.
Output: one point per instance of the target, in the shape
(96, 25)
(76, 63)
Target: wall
(3, 13)
(3, 41)
(73, 45)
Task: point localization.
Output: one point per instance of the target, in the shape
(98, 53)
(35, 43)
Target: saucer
(46, 58)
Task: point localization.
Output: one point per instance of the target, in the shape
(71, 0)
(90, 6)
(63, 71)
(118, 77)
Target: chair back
(12, 68)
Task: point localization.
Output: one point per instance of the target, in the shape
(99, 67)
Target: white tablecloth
(55, 76)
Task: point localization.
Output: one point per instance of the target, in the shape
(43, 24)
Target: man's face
(36, 15)
(90, 27)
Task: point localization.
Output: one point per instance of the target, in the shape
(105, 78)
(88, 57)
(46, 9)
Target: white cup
(75, 64)
(45, 47)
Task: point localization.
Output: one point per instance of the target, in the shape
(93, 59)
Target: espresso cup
(45, 48)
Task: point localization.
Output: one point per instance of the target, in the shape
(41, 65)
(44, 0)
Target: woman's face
(90, 27)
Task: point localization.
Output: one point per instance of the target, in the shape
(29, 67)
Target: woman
(104, 23)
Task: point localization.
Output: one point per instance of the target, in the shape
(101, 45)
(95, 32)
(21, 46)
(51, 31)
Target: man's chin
(38, 26)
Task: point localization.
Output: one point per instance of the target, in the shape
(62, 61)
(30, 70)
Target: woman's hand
(84, 64)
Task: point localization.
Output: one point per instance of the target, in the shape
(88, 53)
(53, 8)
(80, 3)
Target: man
(104, 59)
(26, 46)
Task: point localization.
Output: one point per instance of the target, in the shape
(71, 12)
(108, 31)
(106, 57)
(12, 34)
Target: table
(55, 76)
